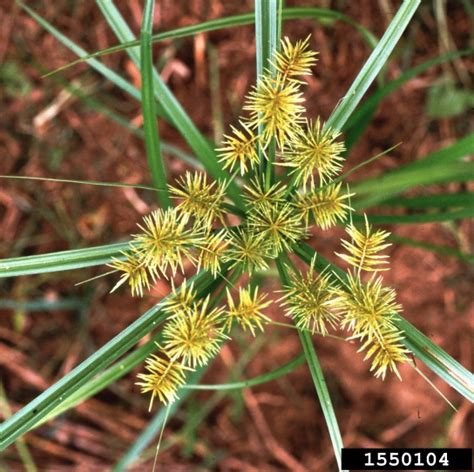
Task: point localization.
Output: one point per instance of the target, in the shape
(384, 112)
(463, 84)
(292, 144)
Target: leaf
(61, 260)
(418, 217)
(150, 125)
(373, 66)
(267, 34)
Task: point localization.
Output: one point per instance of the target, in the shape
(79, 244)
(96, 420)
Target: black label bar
(407, 459)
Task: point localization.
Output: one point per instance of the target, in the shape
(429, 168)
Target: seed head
(180, 299)
(164, 241)
(326, 205)
(276, 106)
(279, 224)
(368, 310)
(212, 252)
(199, 199)
(194, 335)
(314, 150)
(294, 59)
(247, 312)
(134, 271)
(309, 300)
(259, 195)
(163, 379)
(364, 247)
(248, 250)
(239, 150)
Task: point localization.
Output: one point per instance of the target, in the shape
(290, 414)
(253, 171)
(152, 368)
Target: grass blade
(374, 64)
(437, 359)
(179, 118)
(317, 376)
(80, 182)
(451, 371)
(105, 378)
(61, 260)
(267, 34)
(150, 125)
(267, 31)
(108, 73)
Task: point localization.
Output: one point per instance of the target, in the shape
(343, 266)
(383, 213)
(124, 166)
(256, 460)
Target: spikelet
(164, 241)
(314, 150)
(163, 379)
(294, 59)
(180, 299)
(276, 106)
(239, 150)
(309, 301)
(368, 310)
(386, 351)
(199, 199)
(134, 271)
(247, 312)
(211, 252)
(326, 205)
(247, 250)
(194, 335)
(259, 195)
(363, 250)
(280, 225)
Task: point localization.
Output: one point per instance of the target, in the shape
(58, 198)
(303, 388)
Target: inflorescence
(278, 215)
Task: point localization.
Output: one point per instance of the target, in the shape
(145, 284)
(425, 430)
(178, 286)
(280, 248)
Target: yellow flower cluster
(277, 216)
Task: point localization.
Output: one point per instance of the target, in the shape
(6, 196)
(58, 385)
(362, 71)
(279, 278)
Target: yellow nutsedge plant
(212, 251)
(279, 224)
(277, 216)
(164, 241)
(369, 308)
(181, 299)
(294, 60)
(132, 270)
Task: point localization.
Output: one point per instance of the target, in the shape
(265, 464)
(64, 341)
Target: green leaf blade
(374, 64)
(150, 125)
(61, 260)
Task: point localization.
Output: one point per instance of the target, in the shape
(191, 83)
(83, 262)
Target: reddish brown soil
(275, 427)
